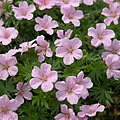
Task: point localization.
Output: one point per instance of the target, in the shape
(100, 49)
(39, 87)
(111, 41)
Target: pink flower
(113, 65)
(43, 76)
(45, 24)
(43, 48)
(112, 14)
(69, 90)
(24, 92)
(100, 35)
(74, 3)
(88, 2)
(62, 35)
(108, 1)
(7, 107)
(24, 11)
(114, 49)
(71, 15)
(86, 82)
(12, 52)
(82, 118)
(90, 110)
(67, 114)
(25, 46)
(7, 34)
(7, 66)
(69, 49)
(45, 4)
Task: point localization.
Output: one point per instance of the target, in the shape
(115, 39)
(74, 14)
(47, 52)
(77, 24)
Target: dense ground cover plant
(59, 60)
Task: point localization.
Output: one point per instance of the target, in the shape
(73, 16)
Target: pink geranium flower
(69, 49)
(43, 76)
(112, 14)
(74, 3)
(82, 118)
(45, 24)
(86, 82)
(88, 2)
(24, 92)
(108, 1)
(61, 35)
(7, 107)
(24, 11)
(45, 4)
(67, 113)
(100, 35)
(69, 90)
(114, 49)
(7, 66)
(7, 34)
(71, 15)
(91, 110)
(25, 46)
(43, 48)
(113, 64)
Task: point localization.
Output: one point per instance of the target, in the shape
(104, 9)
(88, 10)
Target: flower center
(114, 51)
(110, 67)
(67, 116)
(70, 16)
(91, 111)
(66, 1)
(24, 13)
(5, 66)
(45, 26)
(4, 109)
(69, 90)
(44, 2)
(44, 78)
(6, 35)
(70, 50)
(100, 36)
(113, 14)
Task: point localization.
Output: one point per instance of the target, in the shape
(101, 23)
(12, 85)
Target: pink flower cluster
(86, 110)
(74, 88)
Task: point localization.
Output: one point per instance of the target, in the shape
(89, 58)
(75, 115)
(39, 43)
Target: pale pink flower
(100, 35)
(112, 14)
(90, 110)
(85, 82)
(74, 3)
(114, 49)
(45, 4)
(25, 46)
(24, 92)
(7, 66)
(67, 113)
(24, 11)
(88, 2)
(7, 34)
(7, 107)
(43, 76)
(43, 48)
(68, 90)
(12, 52)
(46, 24)
(113, 64)
(71, 15)
(61, 35)
(69, 50)
(108, 1)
